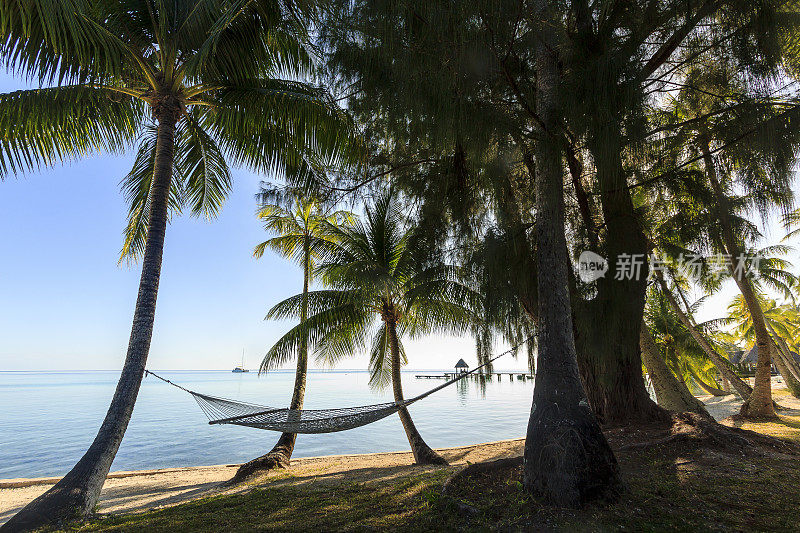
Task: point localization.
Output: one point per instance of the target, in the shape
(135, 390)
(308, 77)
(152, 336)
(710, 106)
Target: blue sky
(66, 304)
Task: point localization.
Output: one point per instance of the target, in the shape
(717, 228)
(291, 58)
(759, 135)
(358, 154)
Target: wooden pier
(452, 375)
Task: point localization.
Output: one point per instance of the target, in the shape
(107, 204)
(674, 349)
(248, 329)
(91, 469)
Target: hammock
(226, 411)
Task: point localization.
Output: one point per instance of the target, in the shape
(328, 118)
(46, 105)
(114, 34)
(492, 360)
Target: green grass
(679, 486)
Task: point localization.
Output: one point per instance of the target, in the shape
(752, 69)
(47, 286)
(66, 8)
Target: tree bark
(567, 459)
(723, 365)
(76, 494)
(608, 326)
(710, 389)
(725, 383)
(784, 349)
(280, 456)
(782, 362)
(759, 404)
(423, 454)
(671, 393)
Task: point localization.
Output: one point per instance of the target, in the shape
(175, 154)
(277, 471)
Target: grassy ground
(680, 485)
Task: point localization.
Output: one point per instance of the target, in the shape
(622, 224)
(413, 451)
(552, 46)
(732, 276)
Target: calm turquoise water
(47, 420)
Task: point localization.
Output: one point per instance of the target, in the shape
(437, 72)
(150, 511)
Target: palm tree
(304, 234)
(374, 274)
(730, 178)
(196, 81)
(777, 320)
(724, 366)
(567, 459)
(671, 390)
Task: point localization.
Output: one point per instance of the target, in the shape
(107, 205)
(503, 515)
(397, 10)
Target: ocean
(48, 419)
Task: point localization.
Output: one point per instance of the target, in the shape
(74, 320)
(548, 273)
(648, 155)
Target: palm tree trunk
(423, 454)
(567, 459)
(759, 404)
(723, 365)
(710, 389)
(783, 348)
(280, 456)
(782, 362)
(76, 494)
(726, 385)
(671, 393)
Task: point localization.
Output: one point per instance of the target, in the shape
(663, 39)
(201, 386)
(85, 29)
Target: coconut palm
(746, 176)
(304, 233)
(781, 324)
(684, 313)
(197, 82)
(379, 292)
(661, 359)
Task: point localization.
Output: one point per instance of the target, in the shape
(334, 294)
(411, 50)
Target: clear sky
(65, 303)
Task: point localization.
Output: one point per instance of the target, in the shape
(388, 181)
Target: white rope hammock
(226, 411)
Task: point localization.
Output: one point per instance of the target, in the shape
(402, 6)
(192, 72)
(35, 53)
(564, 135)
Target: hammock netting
(225, 411)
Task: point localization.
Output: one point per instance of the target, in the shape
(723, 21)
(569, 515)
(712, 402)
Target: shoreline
(143, 490)
(14, 483)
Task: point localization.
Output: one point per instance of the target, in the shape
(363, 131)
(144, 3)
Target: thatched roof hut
(750, 358)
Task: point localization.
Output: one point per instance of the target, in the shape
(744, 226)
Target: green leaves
(374, 277)
(281, 126)
(201, 164)
(42, 127)
(201, 181)
(65, 41)
(212, 61)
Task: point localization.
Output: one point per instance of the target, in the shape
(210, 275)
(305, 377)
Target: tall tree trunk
(759, 404)
(423, 454)
(723, 365)
(671, 393)
(280, 456)
(608, 326)
(567, 459)
(76, 494)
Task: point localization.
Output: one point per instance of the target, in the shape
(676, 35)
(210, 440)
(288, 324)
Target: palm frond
(42, 127)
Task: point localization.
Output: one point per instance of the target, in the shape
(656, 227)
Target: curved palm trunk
(710, 389)
(671, 393)
(567, 458)
(423, 454)
(759, 404)
(723, 365)
(782, 362)
(783, 348)
(76, 494)
(280, 456)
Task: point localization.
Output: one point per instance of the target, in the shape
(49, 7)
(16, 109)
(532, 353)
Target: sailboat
(240, 369)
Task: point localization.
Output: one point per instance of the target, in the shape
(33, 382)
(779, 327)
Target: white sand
(151, 489)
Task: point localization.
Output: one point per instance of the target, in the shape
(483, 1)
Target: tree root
(427, 456)
(689, 427)
(270, 461)
(478, 468)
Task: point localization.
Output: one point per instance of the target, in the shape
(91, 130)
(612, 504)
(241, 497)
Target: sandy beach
(150, 489)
